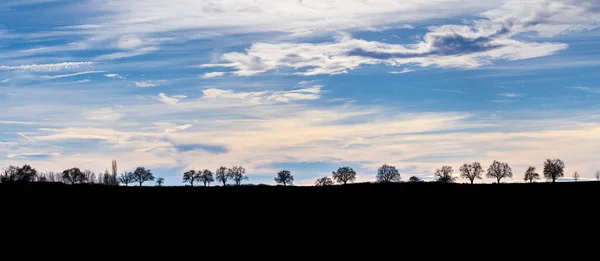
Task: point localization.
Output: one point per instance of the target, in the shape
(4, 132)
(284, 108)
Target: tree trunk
(224, 183)
(192, 183)
(472, 181)
(499, 181)
(141, 183)
(553, 179)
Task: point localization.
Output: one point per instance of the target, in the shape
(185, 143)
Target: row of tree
(553, 169)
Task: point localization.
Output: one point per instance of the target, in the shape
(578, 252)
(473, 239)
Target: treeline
(553, 170)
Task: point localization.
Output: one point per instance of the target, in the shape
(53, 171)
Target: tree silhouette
(499, 170)
(324, 181)
(190, 176)
(222, 175)
(160, 181)
(597, 175)
(42, 177)
(88, 175)
(73, 176)
(114, 181)
(141, 175)
(237, 174)
(284, 177)
(26, 174)
(206, 177)
(344, 175)
(576, 176)
(10, 174)
(471, 171)
(387, 173)
(126, 178)
(444, 175)
(531, 175)
(554, 169)
(415, 179)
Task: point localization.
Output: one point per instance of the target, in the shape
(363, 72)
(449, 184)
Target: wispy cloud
(46, 67)
(30, 155)
(5, 81)
(114, 76)
(405, 70)
(178, 128)
(103, 114)
(145, 84)
(212, 75)
(586, 89)
(311, 93)
(24, 136)
(511, 95)
(68, 75)
(170, 100)
(120, 55)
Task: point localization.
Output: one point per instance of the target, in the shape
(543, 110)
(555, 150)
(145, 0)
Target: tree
(126, 178)
(51, 176)
(415, 179)
(531, 175)
(160, 181)
(284, 177)
(114, 181)
(344, 175)
(73, 176)
(554, 169)
(222, 175)
(26, 174)
(190, 176)
(387, 173)
(598, 175)
(324, 181)
(444, 175)
(9, 174)
(499, 170)
(237, 174)
(576, 176)
(206, 177)
(88, 176)
(42, 177)
(141, 175)
(471, 171)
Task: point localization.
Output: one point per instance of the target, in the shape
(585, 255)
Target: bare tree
(284, 177)
(471, 171)
(73, 176)
(222, 175)
(160, 181)
(444, 175)
(554, 169)
(598, 175)
(141, 175)
(126, 178)
(51, 176)
(344, 175)
(387, 173)
(190, 176)
(9, 174)
(42, 177)
(576, 176)
(415, 179)
(499, 170)
(206, 177)
(324, 181)
(531, 175)
(92, 178)
(237, 174)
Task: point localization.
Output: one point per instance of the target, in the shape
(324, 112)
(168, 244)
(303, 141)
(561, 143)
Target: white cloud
(68, 75)
(129, 42)
(311, 93)
(103, 114)
(212, 75)
(511, 95)
(586, 89)
(83, 81)
(405, 70)
(178, 128)
(5, 81)
(144, 84)
(33, 154)
(170, 100)
(114, 76)
(46, 67)
(120, 55)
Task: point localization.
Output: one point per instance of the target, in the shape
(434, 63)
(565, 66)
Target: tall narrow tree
(471, 171)
(598, 175)
(114, 180)
(499, 170)
(387, 174)
(554, 169)
(284, 177)
(222, 175)
(344, 175)
(531, 175)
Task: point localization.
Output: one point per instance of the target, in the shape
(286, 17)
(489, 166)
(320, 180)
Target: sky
(302, 85)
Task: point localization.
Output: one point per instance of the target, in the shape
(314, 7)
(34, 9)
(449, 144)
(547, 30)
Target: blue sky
(303, 85)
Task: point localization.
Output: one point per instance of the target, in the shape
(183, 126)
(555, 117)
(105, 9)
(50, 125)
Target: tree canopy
(471, 171)
(554, 169)
(284, 177)
(444, 175)
(499, 170)
(344, 175)
(142, 175)
(387, 173)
